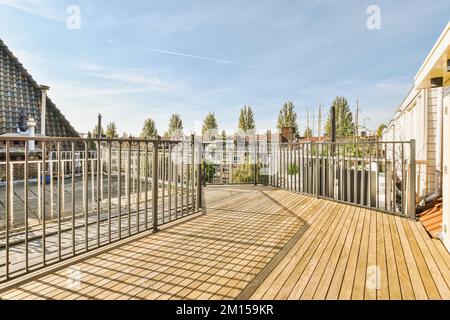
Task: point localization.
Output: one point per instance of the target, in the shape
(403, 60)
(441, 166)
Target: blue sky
(131, 60)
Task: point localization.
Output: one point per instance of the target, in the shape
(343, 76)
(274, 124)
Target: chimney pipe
(333, 127)
(44, 90)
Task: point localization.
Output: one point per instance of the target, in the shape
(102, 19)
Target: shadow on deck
(259, 243)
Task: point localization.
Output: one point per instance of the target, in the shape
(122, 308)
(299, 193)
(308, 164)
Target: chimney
(31, 125)
(44, 90)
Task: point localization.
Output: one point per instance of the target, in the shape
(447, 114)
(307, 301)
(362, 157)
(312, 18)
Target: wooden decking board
(391, 266)
(359, 282)
(277, 276)
(339, 255)
(424, 271)
(443, 268)
(401, 264)
(432, 272)
(383, 289)
(278, 286)
(416, 280)
(339, 273)
(345, 292)
(253, 286)
(325, 256)
(307, 266)
(267, 242)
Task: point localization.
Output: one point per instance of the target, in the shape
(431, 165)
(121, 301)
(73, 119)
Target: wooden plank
(359, 282)
(402, 268)
(287, 280)
(370, 291)
(391, 265)
(430, 243)
(308, 265)
(275, 281)
(383, 290)
(338, 278)
(346, 289)
(432, 272)
(335, 267)
(416, 280)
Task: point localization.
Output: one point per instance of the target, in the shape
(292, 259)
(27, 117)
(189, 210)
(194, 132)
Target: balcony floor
(260, 243)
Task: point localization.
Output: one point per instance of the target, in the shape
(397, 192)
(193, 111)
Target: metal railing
(373, 174)
(63, 198)
(378, 175)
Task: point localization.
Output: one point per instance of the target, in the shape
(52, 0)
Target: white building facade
(424, 116)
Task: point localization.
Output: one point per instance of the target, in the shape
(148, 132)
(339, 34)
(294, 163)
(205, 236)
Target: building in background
(20, 94)
(21, 106)
(424, 116)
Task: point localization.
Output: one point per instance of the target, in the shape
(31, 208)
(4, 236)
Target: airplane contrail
(205, 58)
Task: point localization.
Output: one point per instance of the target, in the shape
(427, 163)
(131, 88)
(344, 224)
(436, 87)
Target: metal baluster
(155, 186)
(109, 188)
(99, 192)
(138, 190)
(26, 203)
(59, 198)
(193, 173)
(146, 186)
(403, 177)
(86, 197)
(44, 182)
(182, 180)
(394, 180)
(177, 150)
(377, 191)
(163, 180)
(73, 197)
(169, 180)
(369, 188)
(119, 191)
(128, 186)
(8, 207)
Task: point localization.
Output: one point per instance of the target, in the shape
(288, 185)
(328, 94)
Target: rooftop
(257, 243)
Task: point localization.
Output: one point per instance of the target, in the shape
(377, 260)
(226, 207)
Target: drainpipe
(439, 131)
(44, 90)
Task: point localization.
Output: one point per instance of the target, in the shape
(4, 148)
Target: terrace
(308, 234)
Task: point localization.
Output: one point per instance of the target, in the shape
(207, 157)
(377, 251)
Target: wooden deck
(260, 243)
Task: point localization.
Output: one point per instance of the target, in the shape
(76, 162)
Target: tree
(288, 117)
(344, 119)
(209, 122)
(246, 119)
(175, 125)
(124, 135)
(111, 130)
(380, 129)
(149, 129)
(94, 132)
(308, 133)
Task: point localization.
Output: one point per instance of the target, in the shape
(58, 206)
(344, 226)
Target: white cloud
(40, 8)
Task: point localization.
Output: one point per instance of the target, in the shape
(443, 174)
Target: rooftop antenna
(356, 130)
(44, 90)
(307, 119)
(313, 124)
(320, 121)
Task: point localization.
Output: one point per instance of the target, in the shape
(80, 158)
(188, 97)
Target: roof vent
(437, 82)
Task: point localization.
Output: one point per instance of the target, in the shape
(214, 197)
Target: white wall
(446, 168)
(411, 122)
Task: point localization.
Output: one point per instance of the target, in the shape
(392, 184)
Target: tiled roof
(19, 92)
(431, 218)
